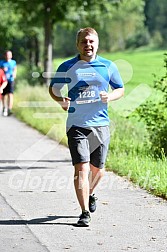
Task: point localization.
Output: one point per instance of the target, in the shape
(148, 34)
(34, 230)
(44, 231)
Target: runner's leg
(81, 183)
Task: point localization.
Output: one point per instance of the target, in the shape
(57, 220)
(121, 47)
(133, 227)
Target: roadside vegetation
(133, 151)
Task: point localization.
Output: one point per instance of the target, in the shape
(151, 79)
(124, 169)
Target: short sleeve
(115, 77)
(59, 80)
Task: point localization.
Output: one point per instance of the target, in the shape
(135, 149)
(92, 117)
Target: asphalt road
(38, 206)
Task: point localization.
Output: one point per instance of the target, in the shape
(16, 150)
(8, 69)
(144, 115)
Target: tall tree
(45, 13)
(116, 30)
(42, 13)
(9, 25)
(156, 14)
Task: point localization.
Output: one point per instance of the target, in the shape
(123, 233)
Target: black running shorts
(9, 89)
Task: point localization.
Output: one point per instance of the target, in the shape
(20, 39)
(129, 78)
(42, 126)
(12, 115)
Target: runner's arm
(4, 84)
(114, 95)
(57, 96)
(15, 72)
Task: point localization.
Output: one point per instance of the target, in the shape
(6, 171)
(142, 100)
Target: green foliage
(9, 25)
(110, 20)
(154, 113)
(119, 29)
(156, 13)
(138, 39)
(24, 33)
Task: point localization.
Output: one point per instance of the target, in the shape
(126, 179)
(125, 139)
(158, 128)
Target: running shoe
(9, 112)
(84, 219)
(5, 112)
(92, 203)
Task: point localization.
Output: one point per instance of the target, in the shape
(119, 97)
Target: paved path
(38, 206)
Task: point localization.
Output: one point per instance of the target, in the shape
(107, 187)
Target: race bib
(88, 94)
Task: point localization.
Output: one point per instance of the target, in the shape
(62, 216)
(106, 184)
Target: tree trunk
(30, 53)
(37, 61)
(47, 46)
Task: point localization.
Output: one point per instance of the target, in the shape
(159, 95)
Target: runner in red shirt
(3, 81)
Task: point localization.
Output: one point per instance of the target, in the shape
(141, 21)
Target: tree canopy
(33, 30)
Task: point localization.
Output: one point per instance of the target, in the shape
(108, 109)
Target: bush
(154, 113)
(140, 38)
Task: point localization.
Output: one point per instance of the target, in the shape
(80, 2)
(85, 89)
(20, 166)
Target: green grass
(34, 106)
(129, 153)
(143, 171)
(144, 64)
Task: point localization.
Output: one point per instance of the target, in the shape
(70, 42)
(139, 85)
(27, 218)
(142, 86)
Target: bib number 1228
(87, 94)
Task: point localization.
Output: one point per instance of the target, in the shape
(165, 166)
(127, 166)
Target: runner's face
(8, 55)
(87, 46)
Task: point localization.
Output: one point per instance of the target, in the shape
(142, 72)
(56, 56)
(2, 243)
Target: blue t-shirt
(85, 81)
(8, 67)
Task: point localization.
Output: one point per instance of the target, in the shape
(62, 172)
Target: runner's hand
(104, 97)
(65, 103)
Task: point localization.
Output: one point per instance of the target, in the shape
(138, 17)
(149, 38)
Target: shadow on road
(7, 165)
(40, 221)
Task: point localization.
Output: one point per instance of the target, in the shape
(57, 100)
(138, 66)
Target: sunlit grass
(34, 106)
